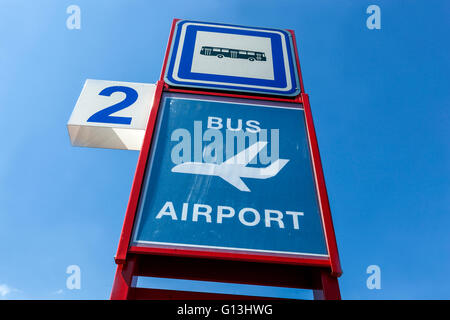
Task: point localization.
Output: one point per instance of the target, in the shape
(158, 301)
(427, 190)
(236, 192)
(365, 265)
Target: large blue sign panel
(237, 58)
(229, 174)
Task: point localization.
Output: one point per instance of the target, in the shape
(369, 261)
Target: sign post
(229, 185)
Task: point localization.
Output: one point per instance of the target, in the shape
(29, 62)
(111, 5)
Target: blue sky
(379, 98)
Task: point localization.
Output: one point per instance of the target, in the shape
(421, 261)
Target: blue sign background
(292, 189)
(279, 67)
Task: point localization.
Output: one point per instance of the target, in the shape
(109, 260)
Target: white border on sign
(182, 245)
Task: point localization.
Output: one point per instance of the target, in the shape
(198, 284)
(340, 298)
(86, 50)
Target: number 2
(104, 115)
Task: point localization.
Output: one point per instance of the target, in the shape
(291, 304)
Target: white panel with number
(111, 114)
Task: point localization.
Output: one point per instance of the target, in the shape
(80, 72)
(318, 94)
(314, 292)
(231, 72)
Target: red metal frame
(126, 255)
(169, 44)
(322, 190)
(219, 254)
(318, 279)
(138, 178)
(296, 99)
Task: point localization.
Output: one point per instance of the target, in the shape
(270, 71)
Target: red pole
(123, 280)
(330, 287)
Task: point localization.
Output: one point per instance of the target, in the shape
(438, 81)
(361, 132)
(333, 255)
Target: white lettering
(253, 126)
(221, 215)
(164, 212)
(184, 212)
(245, 222)
(294, 215)
(197, 212)
(215, 123)
(239, 127)
(249, 217)
(278, 218)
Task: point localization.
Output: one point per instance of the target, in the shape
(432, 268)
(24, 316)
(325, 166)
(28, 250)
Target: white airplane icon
(235, 168)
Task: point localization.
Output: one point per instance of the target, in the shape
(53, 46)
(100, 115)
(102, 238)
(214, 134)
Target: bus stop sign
(229, 184)
(236, 58)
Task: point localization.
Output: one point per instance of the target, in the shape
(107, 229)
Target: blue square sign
(230, 174)
(236, 58)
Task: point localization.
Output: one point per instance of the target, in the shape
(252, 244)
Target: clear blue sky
(380, 101)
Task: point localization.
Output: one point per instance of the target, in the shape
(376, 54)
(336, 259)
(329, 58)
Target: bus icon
(233, 53)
